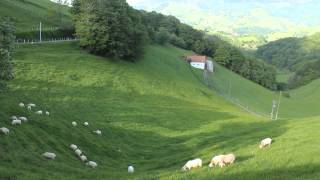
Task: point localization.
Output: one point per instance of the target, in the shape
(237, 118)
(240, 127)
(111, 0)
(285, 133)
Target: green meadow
(27, 14)
(154, 114)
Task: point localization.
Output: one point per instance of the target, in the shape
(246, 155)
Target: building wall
(209, 66)
(198, 65)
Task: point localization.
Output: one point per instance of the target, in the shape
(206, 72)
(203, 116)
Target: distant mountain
(291, 53)
(299, 55)
(262, 21)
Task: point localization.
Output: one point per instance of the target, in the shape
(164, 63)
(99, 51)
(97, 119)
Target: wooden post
(40, 33)
(278, 105)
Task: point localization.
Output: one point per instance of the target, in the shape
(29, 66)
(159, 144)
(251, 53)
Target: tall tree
(109, 28)
(6, 47)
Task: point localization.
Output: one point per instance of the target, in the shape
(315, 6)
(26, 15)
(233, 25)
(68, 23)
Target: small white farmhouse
(196, 61)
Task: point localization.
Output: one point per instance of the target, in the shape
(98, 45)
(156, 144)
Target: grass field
(154, 114)
(28, 14)
(259, 100)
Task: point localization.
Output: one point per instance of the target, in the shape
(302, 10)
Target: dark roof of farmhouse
(196, 58)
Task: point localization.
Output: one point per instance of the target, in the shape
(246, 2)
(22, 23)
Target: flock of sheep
(49, 155)
(221, 160)
(19, 120)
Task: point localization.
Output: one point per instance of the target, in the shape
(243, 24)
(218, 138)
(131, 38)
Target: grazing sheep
(192, 164)
(217, 160)
(78, 152)
(83, 158)
(47, 113)
(49, 155)
(86, 124)
(222, 160)
(32, 105)
(16, 122)
(21, 104)
(92, 164)
(39, 112)
(98, 132)
(14, 118)
(229, 159)
(24, 119)
(265, 142)
(29, 108)
(4, 130)
(130, 169)
(73, 147)
(74, 124)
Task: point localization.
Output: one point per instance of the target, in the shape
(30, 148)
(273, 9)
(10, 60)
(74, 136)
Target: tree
(109, 28)
(6, 47)
(163, 36)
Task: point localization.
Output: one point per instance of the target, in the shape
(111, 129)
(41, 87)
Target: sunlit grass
(154, 114)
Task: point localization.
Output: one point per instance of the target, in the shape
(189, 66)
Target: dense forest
(299, 55)
(112, 28)
(6, 47)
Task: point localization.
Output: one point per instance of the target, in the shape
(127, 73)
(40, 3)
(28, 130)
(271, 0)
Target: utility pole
(274, 105)
(40, 32)
(278, 105)
(229, 88)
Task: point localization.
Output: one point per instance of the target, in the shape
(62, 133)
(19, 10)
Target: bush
(282, 86)
(286, 94)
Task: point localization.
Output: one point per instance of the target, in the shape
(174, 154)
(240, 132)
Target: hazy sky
(299, 11)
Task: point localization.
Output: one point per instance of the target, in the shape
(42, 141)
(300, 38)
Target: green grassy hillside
(29, 13)
(258, 100)
(299, 55)
(155, 114)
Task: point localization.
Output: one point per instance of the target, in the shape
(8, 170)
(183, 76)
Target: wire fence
(214, 87)
(53, 40)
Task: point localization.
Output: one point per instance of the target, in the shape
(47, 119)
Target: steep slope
(144, 110)
(258, 100)
(154, 114)
(299, 55)
(29, 13)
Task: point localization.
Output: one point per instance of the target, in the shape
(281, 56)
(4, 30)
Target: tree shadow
(309, 171)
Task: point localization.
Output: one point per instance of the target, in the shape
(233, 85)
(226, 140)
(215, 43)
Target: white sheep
(265, 142)
(83, 158)
(47, 113)
(92, 164)
(86, 124)
(78, 152)
(24, 119)
(14, 118)
(217, 160)
(73, 147)
(21, 104)
(16, 122)
(29, 108)
(74, 124)
(4, 130)
(222, 160)
(130, 169)
(192, 164)
(32, 105)
(49, 155)
(98, 132)
(229, 159)
(39, 112)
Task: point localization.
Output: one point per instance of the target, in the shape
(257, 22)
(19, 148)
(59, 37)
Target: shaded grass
(153, 114)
